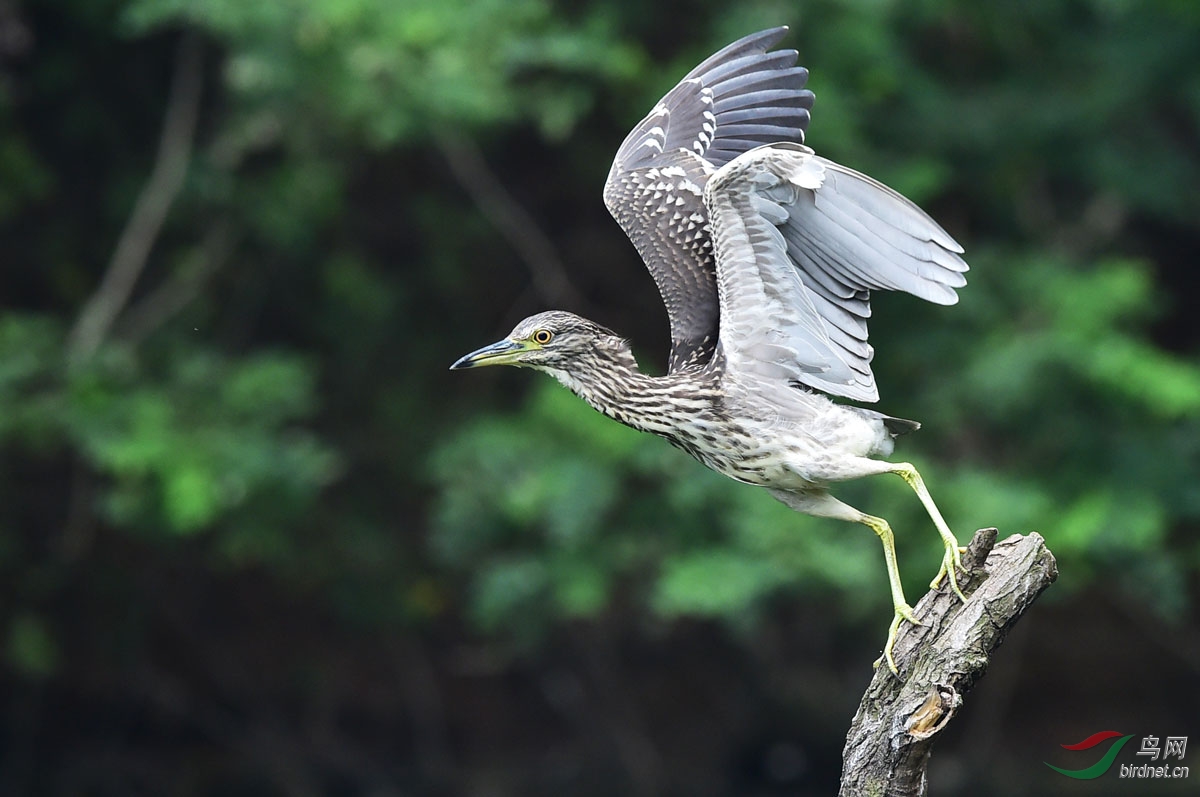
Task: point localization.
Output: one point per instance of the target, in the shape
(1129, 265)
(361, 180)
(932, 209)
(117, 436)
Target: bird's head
(550, 341)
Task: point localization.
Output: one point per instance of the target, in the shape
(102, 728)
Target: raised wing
(737, 99)
(800, 242)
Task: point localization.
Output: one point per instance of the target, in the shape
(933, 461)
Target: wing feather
(799, 244)
(763, 98)
(756, 81)
(737, 99)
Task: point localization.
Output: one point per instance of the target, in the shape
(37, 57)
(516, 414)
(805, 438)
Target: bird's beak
(502, 352)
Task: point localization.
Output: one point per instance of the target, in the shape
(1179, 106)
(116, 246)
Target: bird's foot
(903, 612)
(951, 564)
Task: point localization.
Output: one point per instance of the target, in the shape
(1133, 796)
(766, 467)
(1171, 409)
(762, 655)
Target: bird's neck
(610, 381)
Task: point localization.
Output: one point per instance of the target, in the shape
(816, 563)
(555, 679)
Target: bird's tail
(899, 426)
(894, 426)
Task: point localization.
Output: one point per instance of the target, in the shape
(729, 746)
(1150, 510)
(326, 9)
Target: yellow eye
(542, 337)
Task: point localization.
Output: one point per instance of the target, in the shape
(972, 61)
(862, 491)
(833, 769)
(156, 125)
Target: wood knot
(937, 710)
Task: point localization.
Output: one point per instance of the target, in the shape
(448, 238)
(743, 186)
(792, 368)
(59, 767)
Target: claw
(952, 560)
(903, 612)
(951, 563)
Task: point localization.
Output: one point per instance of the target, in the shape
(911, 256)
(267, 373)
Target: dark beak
(502, 352)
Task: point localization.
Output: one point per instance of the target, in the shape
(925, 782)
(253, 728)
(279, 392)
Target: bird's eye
(542, 337)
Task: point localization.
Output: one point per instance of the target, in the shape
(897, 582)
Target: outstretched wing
(800, 242)
(737, 99)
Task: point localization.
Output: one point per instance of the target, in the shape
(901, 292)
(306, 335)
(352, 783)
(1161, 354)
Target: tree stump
(888, 746)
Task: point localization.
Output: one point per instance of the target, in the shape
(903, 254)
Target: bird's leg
(902, 610)
(952, 561)
(822, 504)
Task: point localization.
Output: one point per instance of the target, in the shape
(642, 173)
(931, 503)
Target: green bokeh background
(255, 539)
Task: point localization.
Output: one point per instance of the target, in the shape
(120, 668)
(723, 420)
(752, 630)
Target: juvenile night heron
(765, 255)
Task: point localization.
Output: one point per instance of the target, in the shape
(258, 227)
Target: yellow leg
(952, 561)
(902, 610)
(821, 504)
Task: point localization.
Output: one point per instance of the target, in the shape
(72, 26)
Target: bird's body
(765, 255)
(785, 438)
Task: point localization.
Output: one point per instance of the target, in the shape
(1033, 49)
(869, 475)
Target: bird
(765, 255)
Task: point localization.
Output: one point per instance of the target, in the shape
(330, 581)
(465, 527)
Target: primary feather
(737, 99)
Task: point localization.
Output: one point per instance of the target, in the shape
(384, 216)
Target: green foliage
(525, 508)
(1104, 418)
(180, 445)
(394, 71)
(31, 647)
(1057, 416)
(271, 407)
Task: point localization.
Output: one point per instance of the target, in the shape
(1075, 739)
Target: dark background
(256, 539)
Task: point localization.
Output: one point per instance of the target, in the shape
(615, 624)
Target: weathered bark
(888, 746)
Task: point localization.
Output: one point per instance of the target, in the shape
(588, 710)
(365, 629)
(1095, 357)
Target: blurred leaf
(713, 583)
(31, 646)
